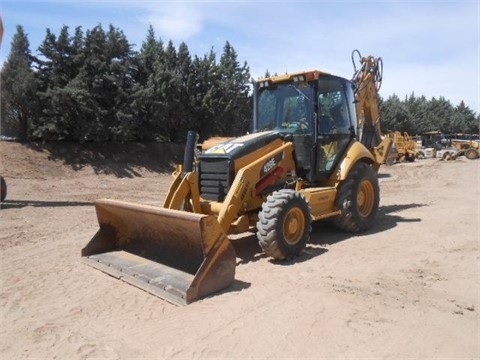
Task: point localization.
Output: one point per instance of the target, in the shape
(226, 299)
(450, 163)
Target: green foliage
(396, 115)
(233, 115)
(417, 115)
(93, 87)
(18, 101)
(204, 86)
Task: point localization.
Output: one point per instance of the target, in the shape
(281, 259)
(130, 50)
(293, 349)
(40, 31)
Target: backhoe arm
(368, 79)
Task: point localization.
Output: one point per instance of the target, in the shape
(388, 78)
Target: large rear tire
(284, 224)
(358, 198)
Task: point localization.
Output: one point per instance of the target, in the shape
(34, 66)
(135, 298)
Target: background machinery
(469, 148)
(404, 146)
(314, 153)
(449, 147)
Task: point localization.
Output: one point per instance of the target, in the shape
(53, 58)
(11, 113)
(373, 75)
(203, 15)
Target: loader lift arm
(243, 193)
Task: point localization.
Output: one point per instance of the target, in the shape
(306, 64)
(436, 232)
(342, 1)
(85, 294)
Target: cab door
(335, 128)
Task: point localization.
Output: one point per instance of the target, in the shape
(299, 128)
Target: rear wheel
(410, 157)
(471, 154)
(284, 224)
(3, 186)
(449, 156)
(358, 198)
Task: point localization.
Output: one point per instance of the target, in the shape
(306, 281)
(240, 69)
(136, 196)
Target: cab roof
(306, 75)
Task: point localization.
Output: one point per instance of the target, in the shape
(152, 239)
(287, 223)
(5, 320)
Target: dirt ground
(409, 288)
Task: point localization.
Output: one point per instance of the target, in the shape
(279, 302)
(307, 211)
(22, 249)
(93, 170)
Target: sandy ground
(409, 288)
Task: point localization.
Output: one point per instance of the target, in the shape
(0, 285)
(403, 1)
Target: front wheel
(358, 198)
(284, 224)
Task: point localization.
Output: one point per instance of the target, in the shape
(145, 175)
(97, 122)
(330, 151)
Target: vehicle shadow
(248, 251)
(247, 248)
(237, 286)
(120, 160)
(17, 204)
(323, 233)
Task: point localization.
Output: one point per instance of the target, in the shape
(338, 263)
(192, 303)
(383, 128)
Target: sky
(428, 47)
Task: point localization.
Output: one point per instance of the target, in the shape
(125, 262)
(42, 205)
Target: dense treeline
(417, 115)
(92, 86)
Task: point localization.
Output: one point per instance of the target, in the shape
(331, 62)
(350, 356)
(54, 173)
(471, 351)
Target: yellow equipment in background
(469, 148)
(314, 154)
(404, 145)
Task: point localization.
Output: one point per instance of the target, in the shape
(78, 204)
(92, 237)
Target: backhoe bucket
(176, 255)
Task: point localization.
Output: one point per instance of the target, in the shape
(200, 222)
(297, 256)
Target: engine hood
(238, 147)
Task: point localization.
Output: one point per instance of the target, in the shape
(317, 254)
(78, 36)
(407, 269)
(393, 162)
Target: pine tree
(57, 67)
(186, 116)
(440, 113)
(234, 98)
(417, 108)
(205, 80)
(88, 90)
(19, 103)
(144, 93)
(150, 52)
(99, 95)
(464, 120)
(395, 115)
(167, 82)
(121, 83)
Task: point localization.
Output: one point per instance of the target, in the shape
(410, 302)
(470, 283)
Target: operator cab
(317, 110)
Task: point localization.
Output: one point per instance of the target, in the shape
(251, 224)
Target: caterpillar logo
(224, 148)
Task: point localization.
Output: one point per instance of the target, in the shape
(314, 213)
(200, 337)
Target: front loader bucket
(176, 255)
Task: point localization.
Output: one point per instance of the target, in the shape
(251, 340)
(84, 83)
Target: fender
(357, 152)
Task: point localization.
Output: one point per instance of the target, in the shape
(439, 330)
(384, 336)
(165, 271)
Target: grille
(215, 178)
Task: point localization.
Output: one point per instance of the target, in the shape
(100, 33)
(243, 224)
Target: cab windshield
(286, 108)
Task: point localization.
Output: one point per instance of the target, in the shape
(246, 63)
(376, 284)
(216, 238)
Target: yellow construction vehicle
(469, 148)
(404, 146)
(314, 154)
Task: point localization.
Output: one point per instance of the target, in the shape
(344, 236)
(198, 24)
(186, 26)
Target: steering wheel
(298, 127)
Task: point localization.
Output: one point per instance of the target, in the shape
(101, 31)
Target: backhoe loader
(405, 146)
(314, 154)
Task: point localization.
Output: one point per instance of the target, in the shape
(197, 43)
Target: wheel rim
(365, 198)
(471, 154)
(293, 226)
